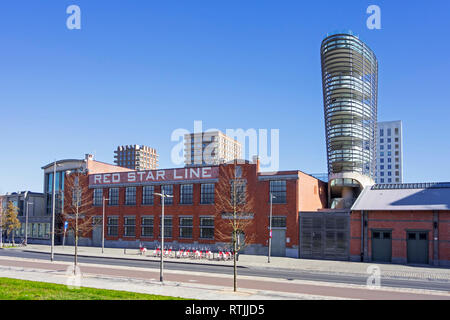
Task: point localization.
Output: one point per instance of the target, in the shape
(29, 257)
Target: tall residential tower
(350, 90)
(389, 152)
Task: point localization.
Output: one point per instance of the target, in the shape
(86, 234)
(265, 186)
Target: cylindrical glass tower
(350, 90)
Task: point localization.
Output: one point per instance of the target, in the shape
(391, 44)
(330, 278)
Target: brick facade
(399, 223)
(303, 192)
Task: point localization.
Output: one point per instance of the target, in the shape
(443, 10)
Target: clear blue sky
(137, 70)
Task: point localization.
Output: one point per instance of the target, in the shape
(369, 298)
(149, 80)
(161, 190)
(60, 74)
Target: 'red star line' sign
(138, 177)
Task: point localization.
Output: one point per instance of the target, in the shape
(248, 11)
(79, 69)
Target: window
(147, 226)
(113, 196)
(381, 132)
(382, 167)
(167, 189)
(396, 131)
(207, 193)
(98, 197)
(381, 147)
(389, 173)
(389, 146)
(381, 140)
(389, 180)
(238, 190)
(206, 228)
(148, 194)
(389, 167)
(113, 226)
(381, 160)
(167, 227)
(381, 180)
(129, 226)
(186, 227)
(389, 131)
(278, 190)
(130, 195)
(278, 222)
(389, 140)
(381, 154)
(238, 171)
(186, 193)
(382, 174)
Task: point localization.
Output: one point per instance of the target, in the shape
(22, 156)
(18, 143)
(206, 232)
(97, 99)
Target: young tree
(10, 222)
(234, 208)
(78, 201)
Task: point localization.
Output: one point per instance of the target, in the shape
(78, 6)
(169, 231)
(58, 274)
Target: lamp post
(103, 225)
(270, 226)
(26, 222)
(53, 212)
(161, 265)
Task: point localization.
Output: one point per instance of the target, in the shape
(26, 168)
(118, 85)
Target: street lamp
(26, 222)
(103, 225)
(163, 198)
(52, 256)
(270, 226)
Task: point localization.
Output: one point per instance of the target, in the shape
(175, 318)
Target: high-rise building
(350, 90)
(136, 157)
(389, 152)
(210, 148)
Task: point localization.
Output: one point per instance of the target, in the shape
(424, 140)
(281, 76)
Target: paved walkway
(196, 285)
(324, 266)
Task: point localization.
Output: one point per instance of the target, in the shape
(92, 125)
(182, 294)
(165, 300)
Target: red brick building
(403, 223)
(133, 211)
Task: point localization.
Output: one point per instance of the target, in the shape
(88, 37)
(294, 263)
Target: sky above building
(137, 71)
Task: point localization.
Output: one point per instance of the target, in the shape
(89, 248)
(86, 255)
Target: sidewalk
(318, 266)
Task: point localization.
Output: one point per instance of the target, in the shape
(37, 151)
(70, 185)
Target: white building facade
(389, 167)
(210, 148)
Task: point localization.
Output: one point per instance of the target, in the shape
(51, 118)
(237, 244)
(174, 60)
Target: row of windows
(389, 140)
(34, 230)
(185, 227)
(389, 131)
(238, 190)
(148, 193)
(389, 147)
(389, 180)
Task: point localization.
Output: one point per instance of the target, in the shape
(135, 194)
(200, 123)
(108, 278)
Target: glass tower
(350, 90)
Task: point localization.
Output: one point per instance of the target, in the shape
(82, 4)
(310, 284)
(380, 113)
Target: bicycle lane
(244, 282)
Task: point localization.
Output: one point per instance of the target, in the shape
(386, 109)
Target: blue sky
(137, 70)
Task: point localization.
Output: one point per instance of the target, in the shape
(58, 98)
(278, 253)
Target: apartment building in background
(389, 152)
(210, 148)
(136, 157)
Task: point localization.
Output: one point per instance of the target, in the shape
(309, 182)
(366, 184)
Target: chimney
(88, 157)
(256, 161)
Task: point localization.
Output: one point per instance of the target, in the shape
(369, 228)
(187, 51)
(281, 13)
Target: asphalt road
(247, 271)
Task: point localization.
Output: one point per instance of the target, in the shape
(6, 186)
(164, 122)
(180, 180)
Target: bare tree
(234, 208)
(78, 206)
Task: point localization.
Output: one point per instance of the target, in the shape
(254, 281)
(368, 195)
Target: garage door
(324, 235)
(417, 247)
(381, 246)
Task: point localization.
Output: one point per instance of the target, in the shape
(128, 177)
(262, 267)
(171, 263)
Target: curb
(133, 259)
